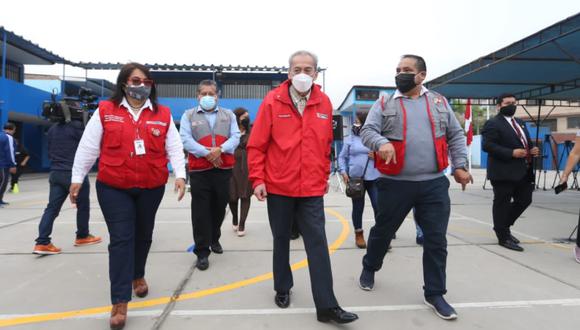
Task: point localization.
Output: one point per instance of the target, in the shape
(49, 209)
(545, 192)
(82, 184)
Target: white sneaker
(241, 233)
(235, 228)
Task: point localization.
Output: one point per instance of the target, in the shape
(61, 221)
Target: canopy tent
(542, 66)
(542, 69)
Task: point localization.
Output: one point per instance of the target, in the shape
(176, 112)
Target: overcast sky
(359, 42)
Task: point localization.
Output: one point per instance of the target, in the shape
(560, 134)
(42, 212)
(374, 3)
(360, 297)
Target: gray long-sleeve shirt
(420, 156)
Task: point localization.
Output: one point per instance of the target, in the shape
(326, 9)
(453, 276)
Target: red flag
(468, 125)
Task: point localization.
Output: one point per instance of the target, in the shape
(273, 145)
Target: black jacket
(63, 140)
(499, 141)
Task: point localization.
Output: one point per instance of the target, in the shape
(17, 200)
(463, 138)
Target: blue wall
(178, 106)
(551, 158)
(18, 97)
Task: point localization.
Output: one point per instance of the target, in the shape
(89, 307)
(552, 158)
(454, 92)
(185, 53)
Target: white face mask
(302, 82)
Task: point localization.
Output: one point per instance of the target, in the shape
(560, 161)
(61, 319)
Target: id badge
(139, 147)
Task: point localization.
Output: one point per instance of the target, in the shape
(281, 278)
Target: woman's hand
(179, 187)
(345, 177)
(74, 192)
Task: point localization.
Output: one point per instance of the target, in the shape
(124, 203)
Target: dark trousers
(358, 204)
(432, 208)
(4, 178)
(578, 231)
(130, 218)
(58, 193)
(244, 210)
(510, 200)
(209, 198)
(308, 212)
(16, 176)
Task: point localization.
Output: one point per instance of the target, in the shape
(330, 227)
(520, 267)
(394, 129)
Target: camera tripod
(335, 178)
(566, 152)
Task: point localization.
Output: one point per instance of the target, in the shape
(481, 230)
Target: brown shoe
(46, 249)
(118, 316)
(360, 239)
(140, 287)
(89, 240)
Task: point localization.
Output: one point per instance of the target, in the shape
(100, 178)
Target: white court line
(570, 302)
(459, 216)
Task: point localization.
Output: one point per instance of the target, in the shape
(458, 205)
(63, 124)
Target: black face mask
(508, 110)
(245, 123)
(356, 130)
(405, 82)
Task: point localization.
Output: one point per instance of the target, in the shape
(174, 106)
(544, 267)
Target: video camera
(78, 108)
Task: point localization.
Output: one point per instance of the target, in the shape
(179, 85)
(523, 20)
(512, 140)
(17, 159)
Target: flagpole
(469, 156)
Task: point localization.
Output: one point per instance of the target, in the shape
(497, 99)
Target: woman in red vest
(133, 136)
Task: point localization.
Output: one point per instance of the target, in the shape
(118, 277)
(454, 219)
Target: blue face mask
(207, 102)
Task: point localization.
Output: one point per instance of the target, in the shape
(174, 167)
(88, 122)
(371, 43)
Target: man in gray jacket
(413, 132)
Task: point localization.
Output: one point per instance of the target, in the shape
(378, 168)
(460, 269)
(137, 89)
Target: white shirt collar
(399, 94)
(199, 109)
(145, 105)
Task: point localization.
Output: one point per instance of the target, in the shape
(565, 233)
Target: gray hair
(303, 52)
(207, 82)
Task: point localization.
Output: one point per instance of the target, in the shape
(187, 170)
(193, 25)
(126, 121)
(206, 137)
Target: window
(13, 71)
(574, 122)
(366, 95)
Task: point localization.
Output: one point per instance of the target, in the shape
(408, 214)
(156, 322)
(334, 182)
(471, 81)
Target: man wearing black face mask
(509, 168)
(413, 132)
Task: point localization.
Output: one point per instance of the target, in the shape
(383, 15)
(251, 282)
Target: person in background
(572, 161)
(356, 160)
(210, 134)
(133, 136)
(63, 140)
(7, 163)
(240, 185)
(510, 152)
(21, 155)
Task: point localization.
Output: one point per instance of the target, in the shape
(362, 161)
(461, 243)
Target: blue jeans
(432, 206)
(358, 204)
(59, 186)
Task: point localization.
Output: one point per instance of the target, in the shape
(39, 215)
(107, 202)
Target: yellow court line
(186, 296)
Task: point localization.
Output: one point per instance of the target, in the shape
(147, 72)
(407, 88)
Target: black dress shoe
(335, 314)
(282, 299)
(509, 244)
(217, 248)
(202, 263)
(513, 238)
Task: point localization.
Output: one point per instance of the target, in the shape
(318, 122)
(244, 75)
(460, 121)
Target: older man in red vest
(210, 135)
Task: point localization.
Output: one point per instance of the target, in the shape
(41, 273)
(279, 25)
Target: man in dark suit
(509, 168)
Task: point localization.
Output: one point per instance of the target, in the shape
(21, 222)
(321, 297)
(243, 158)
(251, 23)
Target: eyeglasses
(136, 81)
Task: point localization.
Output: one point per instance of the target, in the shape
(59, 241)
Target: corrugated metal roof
(544, 65)
(21, 49)
(186, 67)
